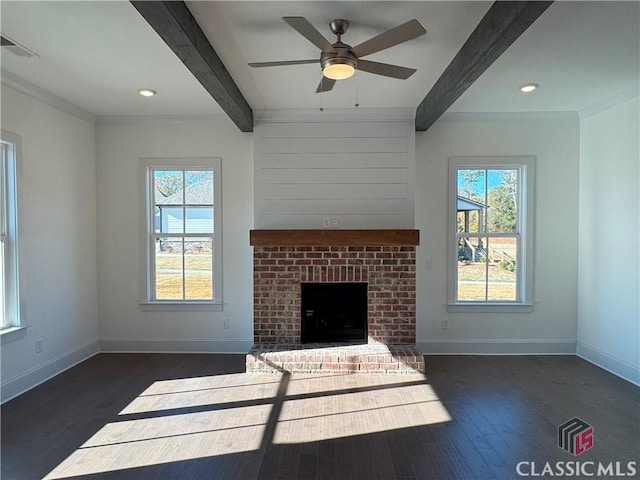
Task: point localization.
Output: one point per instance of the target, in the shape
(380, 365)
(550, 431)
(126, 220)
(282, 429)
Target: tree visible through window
(490, 226)
(182, 232)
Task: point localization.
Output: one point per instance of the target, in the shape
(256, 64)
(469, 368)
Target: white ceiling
(96, 54)
(255, 32)
(580, 53)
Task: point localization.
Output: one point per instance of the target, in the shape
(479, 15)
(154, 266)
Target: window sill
(490, 307)
(13, 333)
(181, 306)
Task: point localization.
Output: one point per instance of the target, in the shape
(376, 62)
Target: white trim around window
(504, 280)
(182, 229)
(11, 280)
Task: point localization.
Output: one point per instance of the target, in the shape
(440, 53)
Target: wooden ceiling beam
(173, 21)
(503, 23)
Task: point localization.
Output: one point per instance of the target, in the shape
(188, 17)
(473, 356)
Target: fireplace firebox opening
(334, 312)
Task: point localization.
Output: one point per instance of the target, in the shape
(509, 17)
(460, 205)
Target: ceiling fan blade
(309, 32)
(325, 85)
(280, 64)
(399, 34)
(385, 69)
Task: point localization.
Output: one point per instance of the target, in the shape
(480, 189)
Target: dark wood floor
(156, 416)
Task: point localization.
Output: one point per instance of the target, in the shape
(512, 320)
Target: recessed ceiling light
(529, 87)
(146, 92)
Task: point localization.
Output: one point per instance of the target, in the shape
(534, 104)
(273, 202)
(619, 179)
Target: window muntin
(491, 253)
(182, 239)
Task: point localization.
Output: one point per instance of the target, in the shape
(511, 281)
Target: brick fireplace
(382, 259)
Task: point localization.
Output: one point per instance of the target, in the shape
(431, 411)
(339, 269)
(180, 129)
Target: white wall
(57, 242)
(551, 327)
(358, 174)
(63, 155)
(123, 325)
(609, 241)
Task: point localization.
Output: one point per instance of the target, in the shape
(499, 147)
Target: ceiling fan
(340, 61)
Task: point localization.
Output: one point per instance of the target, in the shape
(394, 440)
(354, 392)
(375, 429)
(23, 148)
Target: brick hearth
(313, 358)
(384, 259)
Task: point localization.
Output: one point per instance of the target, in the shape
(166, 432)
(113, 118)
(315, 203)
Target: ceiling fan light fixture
(529, 87)
(338, 71)
(339, 61)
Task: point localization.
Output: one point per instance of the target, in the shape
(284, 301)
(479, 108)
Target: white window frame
(13, 320)
(147, 166)
(524, 259)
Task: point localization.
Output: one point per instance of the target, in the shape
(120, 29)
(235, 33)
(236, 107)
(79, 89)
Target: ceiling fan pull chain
(321, 93)
(356, 104)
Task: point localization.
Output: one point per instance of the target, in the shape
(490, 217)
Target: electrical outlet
(225, 323)
(38, 345)
(326, 222)
(334, 222)
(428, 264)
(444, 323)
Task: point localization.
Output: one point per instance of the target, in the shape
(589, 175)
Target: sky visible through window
(183, 224)
(487, 239)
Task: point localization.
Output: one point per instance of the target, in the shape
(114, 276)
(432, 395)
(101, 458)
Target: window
(9, 278)
(491, 231)
(182, 232)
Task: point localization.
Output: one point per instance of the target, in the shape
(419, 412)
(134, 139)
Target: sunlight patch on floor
(202, 391)
(204, 417)
(338, 414)
(126, 454)
(166, 427)
(216, 382)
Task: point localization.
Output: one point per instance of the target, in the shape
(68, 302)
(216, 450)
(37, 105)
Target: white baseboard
(497, 347)
(37, 375)
(609, 363)
(120, 345)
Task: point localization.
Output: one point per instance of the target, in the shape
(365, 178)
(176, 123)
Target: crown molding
(160, 119)
(507, 116)
(27, 88)
(609, 102)
(353, 114)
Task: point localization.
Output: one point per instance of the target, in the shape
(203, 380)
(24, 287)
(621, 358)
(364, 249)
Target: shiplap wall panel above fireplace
(358, 173)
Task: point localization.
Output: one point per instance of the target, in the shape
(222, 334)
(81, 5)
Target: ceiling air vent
(5, 42)
(14, 47)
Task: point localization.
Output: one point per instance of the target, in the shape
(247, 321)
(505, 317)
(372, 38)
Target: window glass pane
(198, 262)
(168, 186)
(502, 201)
(182, 224)
(471, 183)
(472, 269)
(491, 251)
(502, 269)
(170, 219)
(169, 268)
(199, 187)
(471, 200)
(199, 220)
